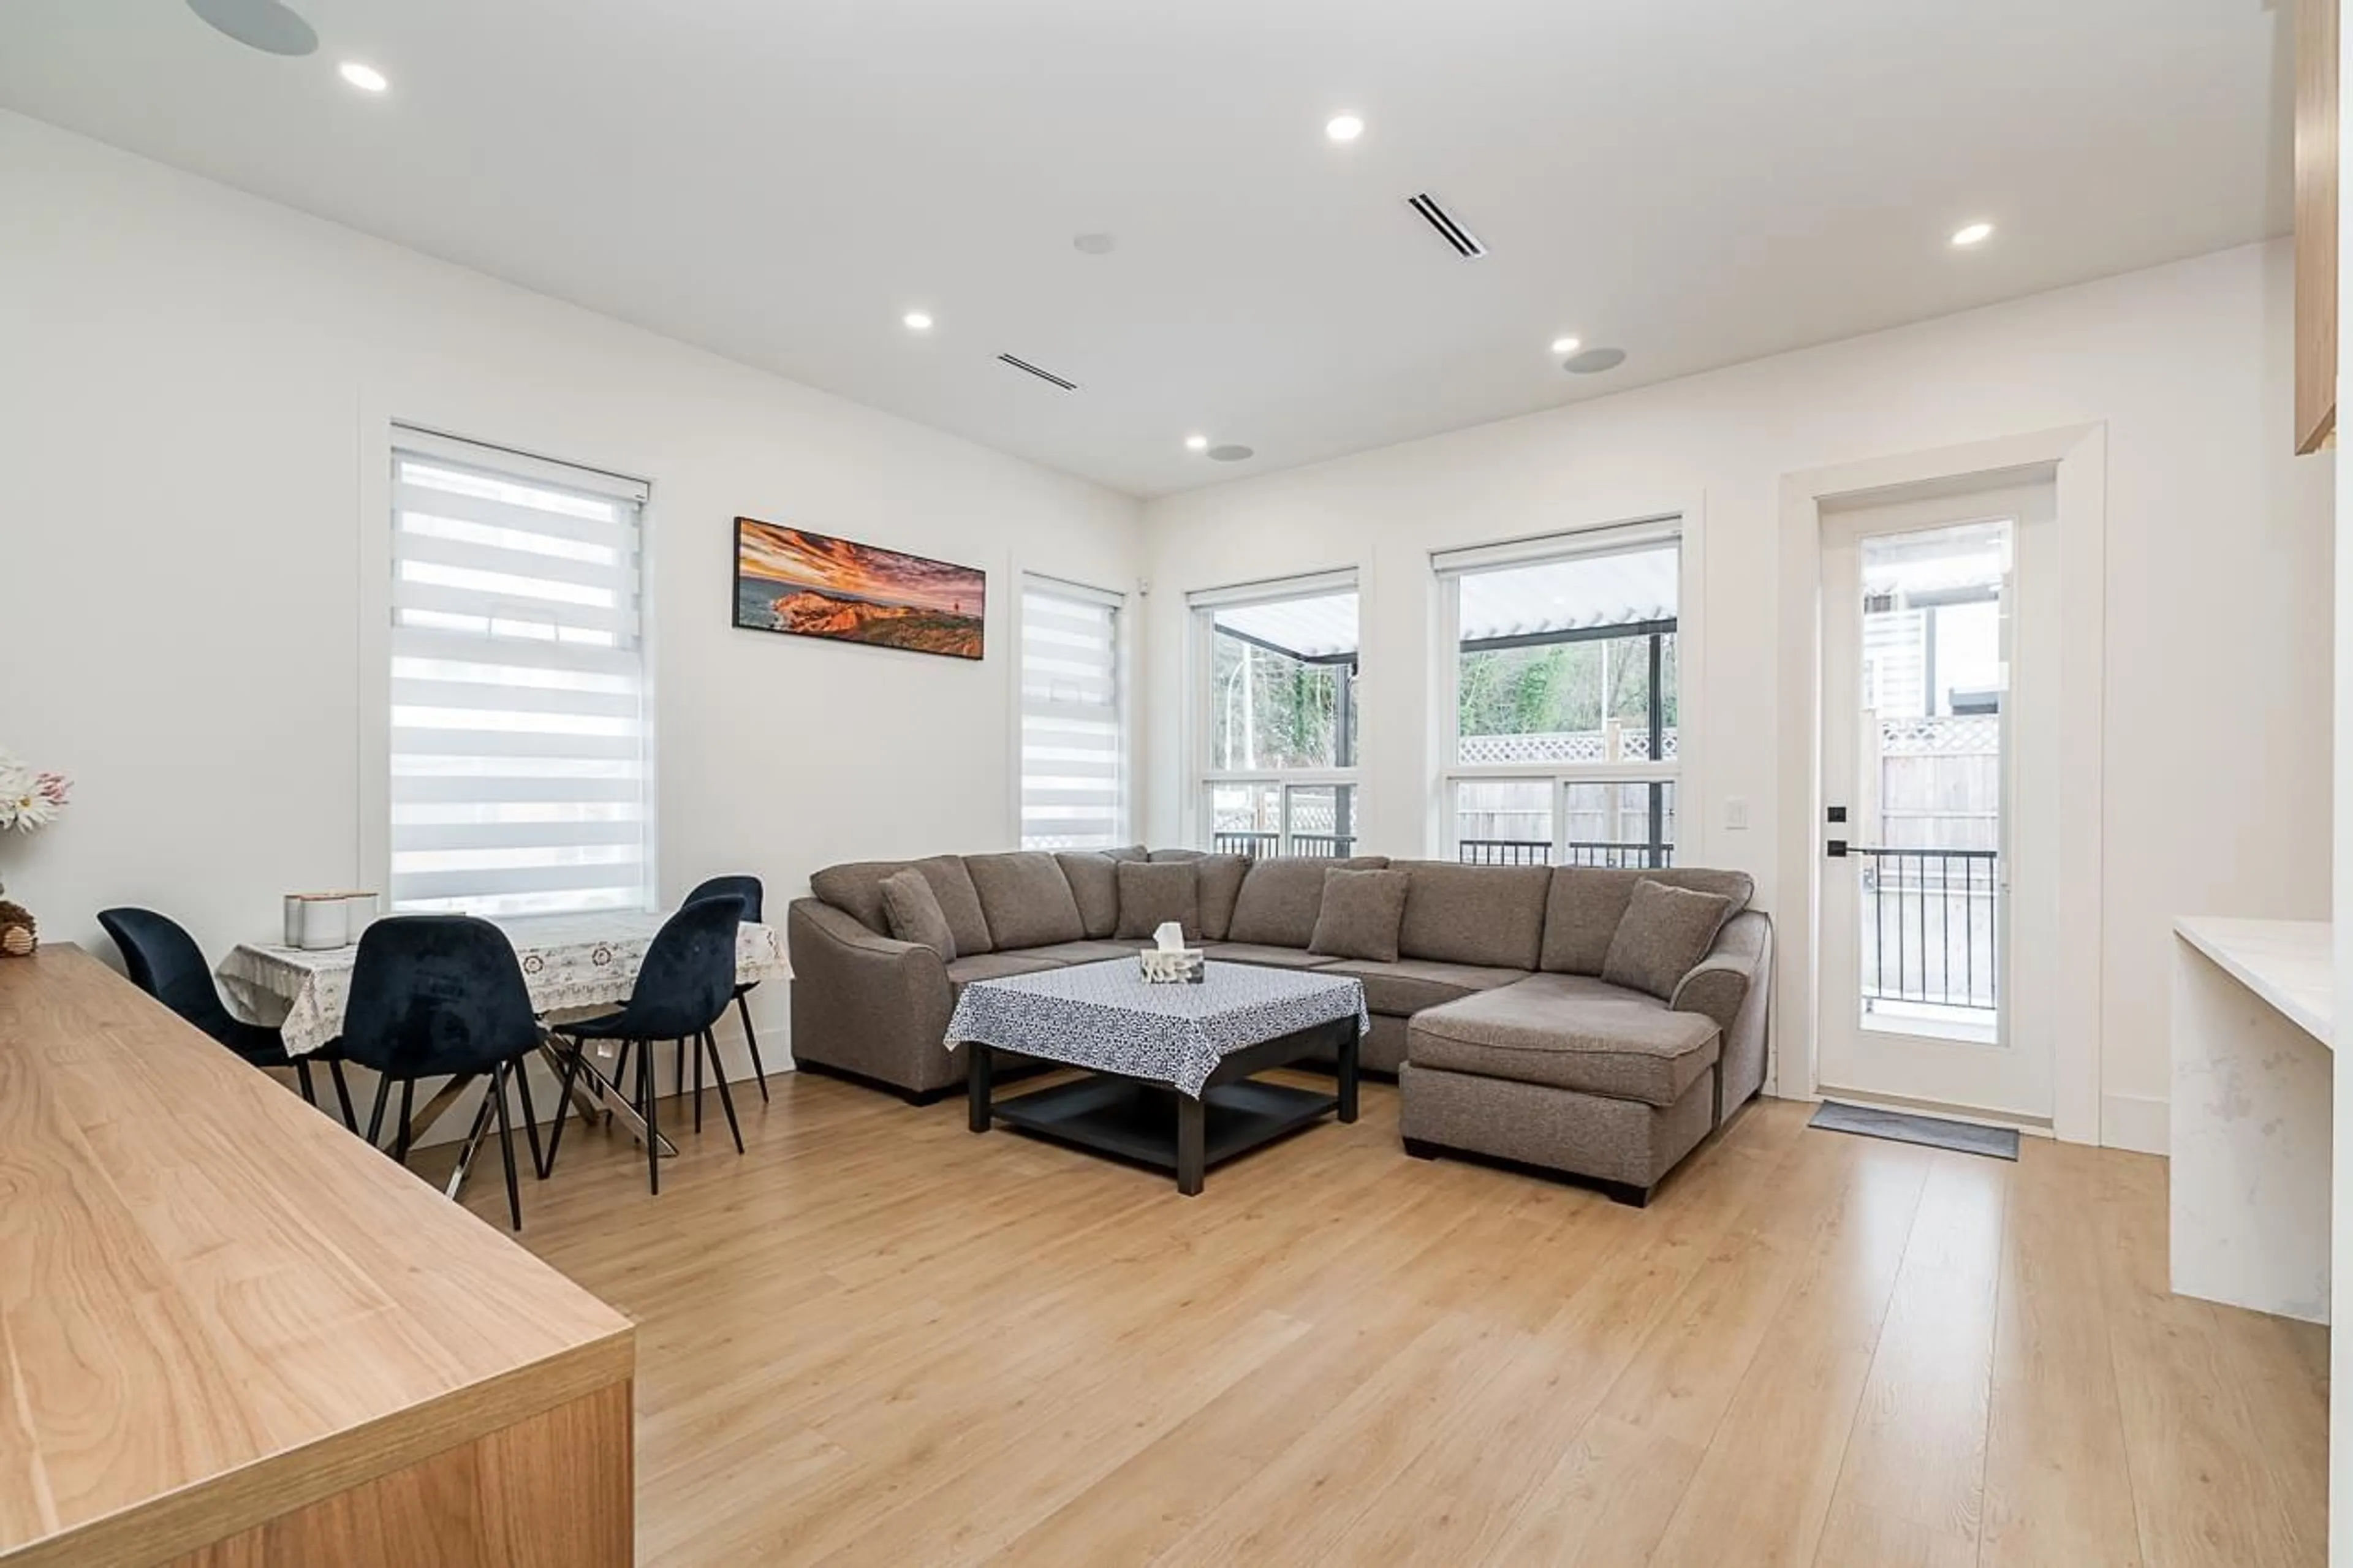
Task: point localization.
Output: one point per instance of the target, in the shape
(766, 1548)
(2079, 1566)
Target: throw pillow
(1221, 884)
(1360, 915)
(1156, 891)
(914, 913)
(1662, 937)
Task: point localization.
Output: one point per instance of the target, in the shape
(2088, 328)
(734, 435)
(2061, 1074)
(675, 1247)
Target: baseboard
(2136, 1121)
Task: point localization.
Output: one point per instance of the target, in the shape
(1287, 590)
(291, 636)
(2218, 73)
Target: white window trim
(1682, 524)
(1200, 664)
(1123, 654)
(384, 425)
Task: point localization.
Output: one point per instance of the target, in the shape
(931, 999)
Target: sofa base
(1616, 1192)
(1624, 1144)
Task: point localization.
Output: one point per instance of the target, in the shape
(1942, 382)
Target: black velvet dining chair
(163, 961)
(748, 888)
(443, 996)
(682, 988)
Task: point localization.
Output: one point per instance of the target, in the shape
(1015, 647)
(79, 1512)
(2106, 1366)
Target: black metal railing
(1321, 845)
(1252, 845)
(1930, 928)
(1625, 854)
(1305, 845)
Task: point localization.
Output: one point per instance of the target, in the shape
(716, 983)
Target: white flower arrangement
(29, 800)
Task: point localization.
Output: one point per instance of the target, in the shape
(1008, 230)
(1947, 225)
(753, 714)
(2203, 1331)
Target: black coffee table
(1170, 1067)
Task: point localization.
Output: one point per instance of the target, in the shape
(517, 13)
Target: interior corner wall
(2218, 651)
(188, 379)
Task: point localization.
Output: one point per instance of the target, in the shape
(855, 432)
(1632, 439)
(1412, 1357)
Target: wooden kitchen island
(231, 1333)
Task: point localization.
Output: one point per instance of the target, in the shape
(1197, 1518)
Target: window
(519, 783)
(1563, 699)
(1073, 744)
(1280, 716)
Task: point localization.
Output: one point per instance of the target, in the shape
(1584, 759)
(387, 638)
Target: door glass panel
(1928, 821)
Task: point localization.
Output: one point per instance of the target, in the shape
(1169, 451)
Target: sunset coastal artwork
(815, 585)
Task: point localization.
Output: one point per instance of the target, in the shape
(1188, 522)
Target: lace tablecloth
(1107, 1017)
(568, 962)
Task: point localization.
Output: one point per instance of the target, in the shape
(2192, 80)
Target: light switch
(1735, 814)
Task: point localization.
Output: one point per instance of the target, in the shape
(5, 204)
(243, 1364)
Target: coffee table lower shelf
(1134, 1120)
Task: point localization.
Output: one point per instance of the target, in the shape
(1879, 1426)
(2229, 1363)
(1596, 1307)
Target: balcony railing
(1930, 927)
(1617, 854)
(1306, 845)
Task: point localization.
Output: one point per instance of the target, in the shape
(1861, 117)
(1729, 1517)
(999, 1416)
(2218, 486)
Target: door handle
(1835, 849)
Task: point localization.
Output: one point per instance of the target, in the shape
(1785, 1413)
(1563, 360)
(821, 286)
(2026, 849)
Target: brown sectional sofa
(1505, 1040)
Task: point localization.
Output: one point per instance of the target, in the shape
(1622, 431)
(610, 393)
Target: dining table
(573, 965)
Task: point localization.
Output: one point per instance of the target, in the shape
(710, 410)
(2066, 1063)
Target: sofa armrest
(866, 1005)
(1733, 984)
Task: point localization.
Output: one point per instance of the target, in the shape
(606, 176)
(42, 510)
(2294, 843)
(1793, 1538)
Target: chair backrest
(688, 977)
(163, 961)
(436, 993)
(746, 887)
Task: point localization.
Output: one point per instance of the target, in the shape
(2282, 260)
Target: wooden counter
(232, 1333)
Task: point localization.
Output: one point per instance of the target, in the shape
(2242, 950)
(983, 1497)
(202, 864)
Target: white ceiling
(1697, 183)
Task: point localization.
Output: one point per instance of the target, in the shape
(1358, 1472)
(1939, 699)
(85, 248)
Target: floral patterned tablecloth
(569, 962)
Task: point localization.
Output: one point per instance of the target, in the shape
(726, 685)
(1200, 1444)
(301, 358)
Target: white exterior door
(1939, 800)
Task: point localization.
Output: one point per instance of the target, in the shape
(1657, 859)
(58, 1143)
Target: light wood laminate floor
(878, 1339)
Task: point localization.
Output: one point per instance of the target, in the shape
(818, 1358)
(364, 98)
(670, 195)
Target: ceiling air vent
(1046, 375)
(1466, 243)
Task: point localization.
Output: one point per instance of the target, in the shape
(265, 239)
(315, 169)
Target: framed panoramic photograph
(815, 585)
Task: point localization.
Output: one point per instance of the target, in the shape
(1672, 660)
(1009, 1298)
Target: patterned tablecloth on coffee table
(1108, 1018)
(568, 962)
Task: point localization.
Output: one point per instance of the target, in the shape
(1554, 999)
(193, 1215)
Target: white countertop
(2288, 963)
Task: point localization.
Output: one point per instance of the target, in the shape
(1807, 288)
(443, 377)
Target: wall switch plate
(1735, 814)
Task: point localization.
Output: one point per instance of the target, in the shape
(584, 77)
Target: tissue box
(1171, 967)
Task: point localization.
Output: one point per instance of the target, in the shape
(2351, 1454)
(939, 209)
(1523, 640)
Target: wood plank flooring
(878, 1339)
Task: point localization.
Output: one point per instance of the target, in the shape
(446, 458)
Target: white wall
(2218, 648)
(192, 383)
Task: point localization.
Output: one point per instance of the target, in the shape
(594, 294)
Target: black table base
(1151, 1123)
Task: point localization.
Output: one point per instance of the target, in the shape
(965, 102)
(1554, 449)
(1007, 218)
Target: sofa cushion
(1221, 884)
(1068, 953)
(1489, 915)
(1360, 914)
(1094, 877)
(1026, 900)
(997, 966)
(1129, 852)
(1568, 1032)
(1161, 856)
(1280, 899)
(857, 888)
(1265, 957)
(1408, 985)
(1155, 891)
(1585, 903)
(912, 911)
(1665, 931)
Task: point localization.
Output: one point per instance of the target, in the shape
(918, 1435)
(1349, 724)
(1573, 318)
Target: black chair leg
(522, 1071)
(376, 1120)
(620, 1071)
(506, 1144)
(562, 1107)
(727, 1100)
(400, 1138)
(743, 1011)
(678, 1069)
(653, 1129)
(302, 1077)
(698, 1078)
(343, 1094)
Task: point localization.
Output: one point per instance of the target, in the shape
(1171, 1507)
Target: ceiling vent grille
(1466, 243)
(1042, 374)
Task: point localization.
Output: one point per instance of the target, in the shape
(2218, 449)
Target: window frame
(1123, 677)
(384, 431)
(1448, 568)
(1201, 606)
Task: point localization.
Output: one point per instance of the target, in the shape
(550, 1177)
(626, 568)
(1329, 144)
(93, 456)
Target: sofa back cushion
(1586, 902)
(1279, 900)
(1026, 899)
(1221, 884)
(1094, 877)
(1488, 915)
(855, 889)
(1151, 893)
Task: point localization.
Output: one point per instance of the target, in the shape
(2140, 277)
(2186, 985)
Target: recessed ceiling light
(1196, 443)
(263, 25)
(1343, 128)
(917, 321)
(1973, 234)
(1094, 244)
(368, 78)
(1593, 361)
(1563, 345)
(1231, 453)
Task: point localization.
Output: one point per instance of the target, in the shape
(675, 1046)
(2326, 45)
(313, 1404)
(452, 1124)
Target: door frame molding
(2078, 455)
